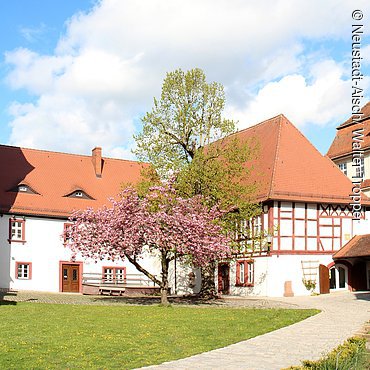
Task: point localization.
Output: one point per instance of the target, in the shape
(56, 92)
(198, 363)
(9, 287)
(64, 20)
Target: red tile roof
(342, 143)
(290, 168)
(53, 176)
(287, 167)
(358, 246)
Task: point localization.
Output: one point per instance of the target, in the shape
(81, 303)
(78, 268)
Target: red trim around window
(65, 227)
(246, 264)
(29, 270)
(23, 222)
(114, 269)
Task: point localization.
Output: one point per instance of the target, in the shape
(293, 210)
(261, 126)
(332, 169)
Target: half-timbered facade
(306, 218)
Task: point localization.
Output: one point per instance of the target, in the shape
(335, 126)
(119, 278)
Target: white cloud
(319, 98)
(112, 61)
(32, 34)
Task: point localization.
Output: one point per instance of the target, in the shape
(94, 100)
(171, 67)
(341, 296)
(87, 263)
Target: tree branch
(145, 272)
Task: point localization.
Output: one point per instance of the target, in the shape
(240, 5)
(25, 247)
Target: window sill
(16, 241)
(244, 285)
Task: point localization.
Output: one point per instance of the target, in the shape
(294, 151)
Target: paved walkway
(343, 315)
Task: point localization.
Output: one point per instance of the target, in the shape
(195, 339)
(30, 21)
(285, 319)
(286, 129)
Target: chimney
(97, 161)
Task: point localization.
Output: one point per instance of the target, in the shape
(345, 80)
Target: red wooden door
(70, 278)
(224, 278)
(359, 276)
(324, 279)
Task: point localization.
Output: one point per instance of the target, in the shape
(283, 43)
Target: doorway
(338, 275)
(70, 276)
(224, 278)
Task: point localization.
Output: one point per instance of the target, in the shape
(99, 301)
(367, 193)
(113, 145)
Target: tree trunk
(208, 289)
(164, 286)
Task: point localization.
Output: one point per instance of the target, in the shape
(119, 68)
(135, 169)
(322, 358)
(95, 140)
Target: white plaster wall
(44, 249)
(261, 268)
(362, 227)
(5, 250)
(271, 274)
(180, 284)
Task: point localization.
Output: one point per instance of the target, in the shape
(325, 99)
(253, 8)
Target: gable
(289, 167)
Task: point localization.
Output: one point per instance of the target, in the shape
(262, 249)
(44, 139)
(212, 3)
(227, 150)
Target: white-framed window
(343, 167)
(250, 275)
(257, 227)
(115, 275)
(245, 273)
(360, 170)
(120, 275)
(23, 270)
(108, 274)
(16, 230)
(242, 273)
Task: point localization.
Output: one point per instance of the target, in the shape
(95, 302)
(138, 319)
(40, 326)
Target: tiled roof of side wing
(54, 176)
(358, 246)
(342, 143)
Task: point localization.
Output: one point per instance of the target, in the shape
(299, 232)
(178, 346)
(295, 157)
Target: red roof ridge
(349, 122)
(270, 192)
(65, 153)
(258, 124)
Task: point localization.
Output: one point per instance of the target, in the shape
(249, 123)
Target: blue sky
(80, 73)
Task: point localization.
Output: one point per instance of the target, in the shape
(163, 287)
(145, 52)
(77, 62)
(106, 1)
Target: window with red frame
(17, 230)
(245, 273)
(114, 275)
(67, 225)
(23, 270)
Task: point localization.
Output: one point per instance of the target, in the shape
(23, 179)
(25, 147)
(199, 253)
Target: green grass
(38, 336)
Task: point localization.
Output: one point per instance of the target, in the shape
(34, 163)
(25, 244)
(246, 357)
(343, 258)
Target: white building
(38, 192)
(304, 197)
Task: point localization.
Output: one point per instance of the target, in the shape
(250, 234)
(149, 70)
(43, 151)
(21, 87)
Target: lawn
(38, 336)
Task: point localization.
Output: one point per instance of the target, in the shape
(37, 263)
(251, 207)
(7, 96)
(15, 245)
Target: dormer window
(23, 188)
(79, 194)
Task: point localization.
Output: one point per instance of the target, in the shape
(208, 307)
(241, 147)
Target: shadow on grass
(151, 300)
(6, 302)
